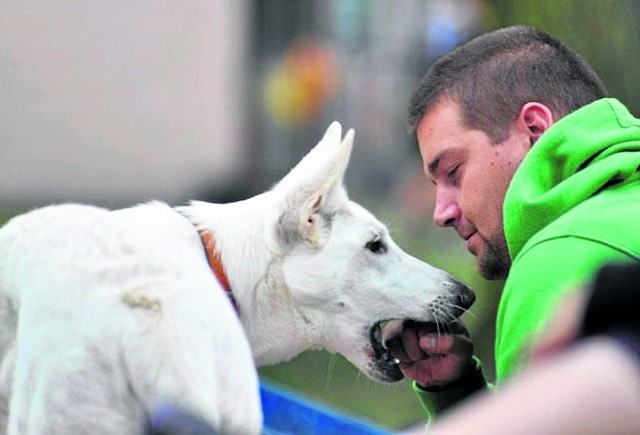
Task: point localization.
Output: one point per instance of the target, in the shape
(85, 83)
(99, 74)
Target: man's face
(471, 175)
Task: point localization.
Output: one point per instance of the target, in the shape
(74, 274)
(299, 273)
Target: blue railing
(286, 412)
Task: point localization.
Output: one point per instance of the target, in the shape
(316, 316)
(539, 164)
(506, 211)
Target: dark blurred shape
(613, 305)
(173, 421)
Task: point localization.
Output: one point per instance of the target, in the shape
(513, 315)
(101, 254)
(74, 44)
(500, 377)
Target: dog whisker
(471, 314)
(437, 322)
(330, 370)
(466, 311)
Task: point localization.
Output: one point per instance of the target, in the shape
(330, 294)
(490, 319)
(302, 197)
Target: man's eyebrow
(433, 166)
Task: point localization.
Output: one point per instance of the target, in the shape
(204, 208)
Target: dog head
(341, 272)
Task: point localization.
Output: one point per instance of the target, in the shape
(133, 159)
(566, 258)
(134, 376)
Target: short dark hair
(492, 76)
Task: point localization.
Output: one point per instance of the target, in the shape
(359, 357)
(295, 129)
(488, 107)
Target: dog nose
(465, 296)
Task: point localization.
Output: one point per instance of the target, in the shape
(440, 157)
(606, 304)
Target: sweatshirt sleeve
(437, 400)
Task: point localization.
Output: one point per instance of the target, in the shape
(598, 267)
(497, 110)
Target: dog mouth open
(384, 366)
(386, 358)
(443, 319)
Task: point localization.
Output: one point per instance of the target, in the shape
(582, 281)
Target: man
(538, 172)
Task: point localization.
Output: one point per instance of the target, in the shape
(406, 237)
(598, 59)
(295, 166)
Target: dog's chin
(383, 366)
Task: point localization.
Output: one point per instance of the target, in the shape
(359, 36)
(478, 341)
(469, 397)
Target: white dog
(108, 314)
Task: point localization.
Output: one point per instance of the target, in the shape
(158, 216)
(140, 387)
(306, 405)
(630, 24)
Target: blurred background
(117, 102)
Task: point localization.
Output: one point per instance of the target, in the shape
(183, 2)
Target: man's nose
(446, 211)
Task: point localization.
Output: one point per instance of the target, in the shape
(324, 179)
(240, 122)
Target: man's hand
(432, 356)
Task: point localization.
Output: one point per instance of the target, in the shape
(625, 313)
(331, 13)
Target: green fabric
(572, 206)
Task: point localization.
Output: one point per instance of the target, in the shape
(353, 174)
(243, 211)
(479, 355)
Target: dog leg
(197, 359)
(75, 390)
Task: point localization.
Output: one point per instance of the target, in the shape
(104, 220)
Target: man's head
(494, 75)
(476, 114)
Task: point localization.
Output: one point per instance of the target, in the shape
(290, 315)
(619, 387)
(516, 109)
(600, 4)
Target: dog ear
(314, 188)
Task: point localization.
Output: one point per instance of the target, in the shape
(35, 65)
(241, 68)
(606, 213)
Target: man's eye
(452, 173)
(376, 246)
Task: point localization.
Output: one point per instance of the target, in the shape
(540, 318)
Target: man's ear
(535, 118)
(314, 188)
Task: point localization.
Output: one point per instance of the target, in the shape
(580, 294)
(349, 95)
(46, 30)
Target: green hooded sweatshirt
(572, 206)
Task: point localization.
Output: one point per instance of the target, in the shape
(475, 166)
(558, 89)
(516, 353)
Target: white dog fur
(107, 315)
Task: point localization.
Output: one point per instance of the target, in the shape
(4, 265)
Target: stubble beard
(495, 262)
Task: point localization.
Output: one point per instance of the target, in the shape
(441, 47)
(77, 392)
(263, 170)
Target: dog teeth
(396, 361)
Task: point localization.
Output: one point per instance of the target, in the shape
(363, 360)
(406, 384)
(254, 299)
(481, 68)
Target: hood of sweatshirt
(595, 147)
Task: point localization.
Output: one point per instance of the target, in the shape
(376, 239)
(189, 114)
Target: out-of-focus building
(124, 101)
(120, 101)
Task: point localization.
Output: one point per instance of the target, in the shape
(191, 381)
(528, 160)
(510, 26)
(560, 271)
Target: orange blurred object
(298, 88)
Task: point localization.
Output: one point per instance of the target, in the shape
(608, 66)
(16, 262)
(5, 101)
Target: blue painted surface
(288, 413)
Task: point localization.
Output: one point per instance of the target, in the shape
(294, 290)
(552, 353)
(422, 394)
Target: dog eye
(376, 246)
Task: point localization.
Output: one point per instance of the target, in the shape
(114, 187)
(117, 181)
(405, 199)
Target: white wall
(119, 101)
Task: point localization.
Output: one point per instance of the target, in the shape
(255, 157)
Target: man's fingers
(411, 341)
(434, 344)
(442, 329)
(436, 370)
(431, 354)
(412, 344)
